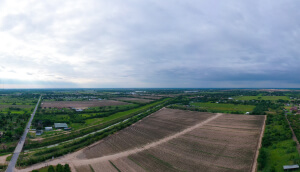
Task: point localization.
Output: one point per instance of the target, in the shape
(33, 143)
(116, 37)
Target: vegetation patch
(278, 148)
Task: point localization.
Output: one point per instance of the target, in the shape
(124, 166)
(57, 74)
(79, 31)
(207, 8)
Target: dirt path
(254, 165)
(3, 159)
(294, 136)
(72, 159)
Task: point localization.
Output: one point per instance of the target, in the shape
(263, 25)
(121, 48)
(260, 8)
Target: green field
(278, 147)
(224, 107)
(280, 154)
(273, 98)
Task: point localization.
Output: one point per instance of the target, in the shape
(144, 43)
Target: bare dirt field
(174, 140)
(157, 126)
(81, 104)
(137, 100)
(150, 97)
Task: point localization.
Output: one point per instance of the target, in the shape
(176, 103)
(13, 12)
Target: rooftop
(288, 167)
(60, 125)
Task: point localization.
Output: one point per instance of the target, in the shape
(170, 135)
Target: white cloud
(95, 43)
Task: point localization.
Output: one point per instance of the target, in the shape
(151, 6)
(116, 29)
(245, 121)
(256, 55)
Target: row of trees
(59, 168)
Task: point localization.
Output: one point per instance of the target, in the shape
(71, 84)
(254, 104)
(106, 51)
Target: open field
(81, 104)
(261, 98)
(135, 100)
(174, 140)
(224, 107)
(151, 97)
(152, 128)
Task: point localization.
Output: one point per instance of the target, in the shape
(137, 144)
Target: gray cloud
(155, 43)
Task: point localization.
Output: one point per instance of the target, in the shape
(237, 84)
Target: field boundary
(254, 165)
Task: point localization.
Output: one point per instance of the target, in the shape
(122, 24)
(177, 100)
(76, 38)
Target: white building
(48, 128)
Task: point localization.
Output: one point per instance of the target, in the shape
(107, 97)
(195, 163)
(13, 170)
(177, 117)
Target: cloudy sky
(149, 43)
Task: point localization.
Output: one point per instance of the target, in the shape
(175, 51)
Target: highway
(13, 161)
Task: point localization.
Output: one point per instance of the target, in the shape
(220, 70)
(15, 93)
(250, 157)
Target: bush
(51, 169)
(59, 168)
(262, 158)
(67, 168)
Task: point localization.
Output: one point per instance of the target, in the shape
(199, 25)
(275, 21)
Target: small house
(60, 125)
(38, 132)
(247, 113)
(290, 167)
(78, 110)
(48, 128)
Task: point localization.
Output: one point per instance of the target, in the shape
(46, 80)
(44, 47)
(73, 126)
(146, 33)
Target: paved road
(13, 161)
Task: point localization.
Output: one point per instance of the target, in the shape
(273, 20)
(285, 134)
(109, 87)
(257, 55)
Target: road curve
(13, 161)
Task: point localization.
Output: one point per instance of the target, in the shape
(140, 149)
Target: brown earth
(137, 100)
(81, 104)
(174, 140)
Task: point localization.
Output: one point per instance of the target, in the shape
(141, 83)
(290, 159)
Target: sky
(150, 43)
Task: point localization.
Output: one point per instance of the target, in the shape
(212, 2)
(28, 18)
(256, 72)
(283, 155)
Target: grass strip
(114, 166)
(163, 162)
(91, 168)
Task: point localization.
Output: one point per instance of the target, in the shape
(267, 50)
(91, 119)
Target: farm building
(48, 128)
(38, 132)
(78, 110)
(290, 167)
(60, 125)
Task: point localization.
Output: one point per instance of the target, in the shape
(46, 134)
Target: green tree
(67, 168)
(51, 169)
(59, 168)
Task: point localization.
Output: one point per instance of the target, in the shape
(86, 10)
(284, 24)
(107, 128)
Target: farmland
(225, 108)
(175, 140)
(127, 130)
(134, 100)
(80, 104)
(154, 127)
(272, 98)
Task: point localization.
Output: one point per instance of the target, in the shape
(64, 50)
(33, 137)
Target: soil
(81, 104)
(138, 100)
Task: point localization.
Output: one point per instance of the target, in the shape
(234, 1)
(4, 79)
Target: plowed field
(175, 140)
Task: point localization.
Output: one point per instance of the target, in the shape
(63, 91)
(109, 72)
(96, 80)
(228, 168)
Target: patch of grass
(224, 107)
(280, 154)
(272, 98)
(114, 166)
(91, 168)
